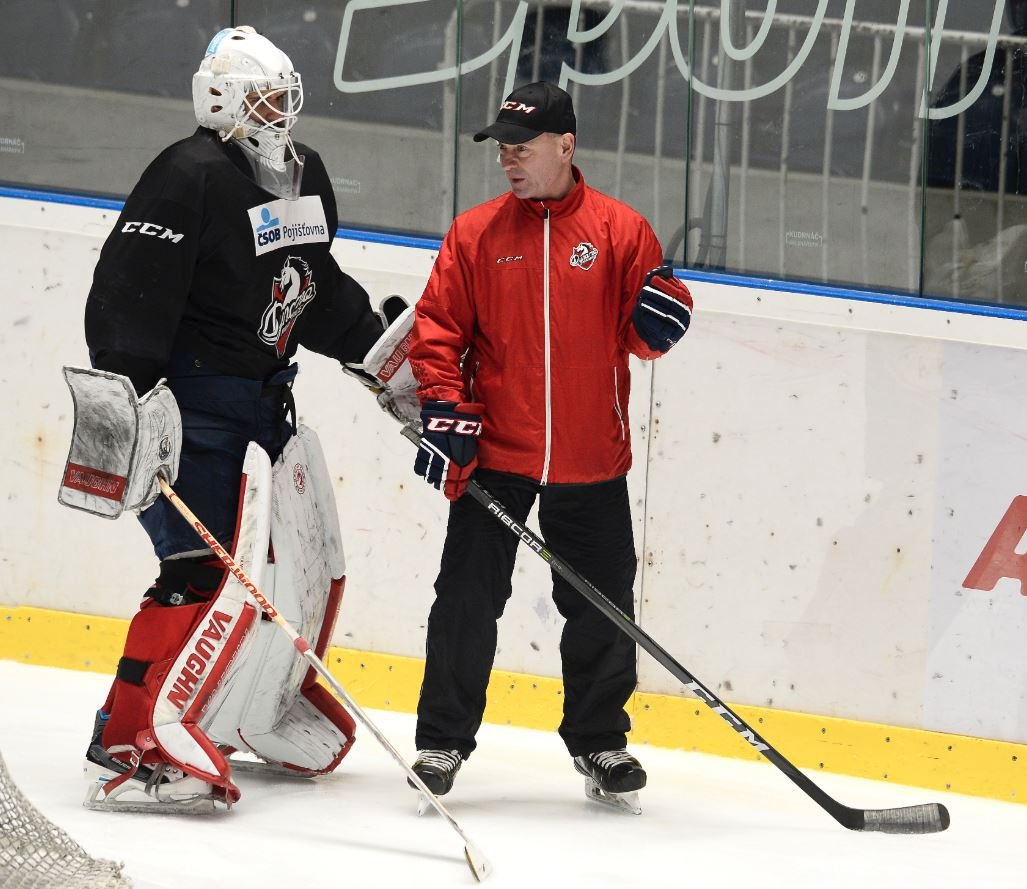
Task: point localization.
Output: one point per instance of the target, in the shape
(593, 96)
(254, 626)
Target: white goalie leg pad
(387, 367)
(275, 709)
(212, 656)
(119, 443)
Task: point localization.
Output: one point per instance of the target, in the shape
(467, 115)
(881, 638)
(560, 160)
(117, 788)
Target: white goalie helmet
(248, 90)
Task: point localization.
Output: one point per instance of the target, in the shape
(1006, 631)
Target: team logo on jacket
(290, 294)
(584, 255)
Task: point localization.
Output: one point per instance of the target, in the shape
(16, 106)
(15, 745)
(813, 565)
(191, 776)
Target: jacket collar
(563, 207)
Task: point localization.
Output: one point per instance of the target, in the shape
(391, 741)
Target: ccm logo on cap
(518, 106)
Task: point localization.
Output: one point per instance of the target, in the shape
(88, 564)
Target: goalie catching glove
(448, 452)
(663, 311)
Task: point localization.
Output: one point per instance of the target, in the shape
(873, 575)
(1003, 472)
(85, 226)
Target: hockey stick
(479, 864)
(925, 818)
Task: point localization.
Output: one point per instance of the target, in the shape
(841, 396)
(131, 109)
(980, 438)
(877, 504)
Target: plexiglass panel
(806, 144)
(92, 90)
(378, 112)
(867, 143)
(975, 225)
(630, 100)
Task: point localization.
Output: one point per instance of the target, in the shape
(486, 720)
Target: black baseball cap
(530, 110)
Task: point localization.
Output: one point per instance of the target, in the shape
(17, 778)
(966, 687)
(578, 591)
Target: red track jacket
(536, 298)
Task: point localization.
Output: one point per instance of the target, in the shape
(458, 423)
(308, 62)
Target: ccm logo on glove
(448, 452)
(457, 427)
(663, 311)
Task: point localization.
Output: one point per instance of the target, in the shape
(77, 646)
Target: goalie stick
(925, 818)
(479, 864)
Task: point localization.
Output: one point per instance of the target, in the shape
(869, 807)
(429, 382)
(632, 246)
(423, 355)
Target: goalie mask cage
(36, 854)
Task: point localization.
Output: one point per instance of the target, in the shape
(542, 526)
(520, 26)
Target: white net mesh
(37, 854)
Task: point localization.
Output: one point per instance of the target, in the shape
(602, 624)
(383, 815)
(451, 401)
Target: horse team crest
(290, 294)
(584, 255)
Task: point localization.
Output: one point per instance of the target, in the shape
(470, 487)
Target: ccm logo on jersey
(457, 427)
(509, 259)
(152, 230)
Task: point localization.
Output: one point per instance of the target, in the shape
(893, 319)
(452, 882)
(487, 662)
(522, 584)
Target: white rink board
(822, 475)
(977, 665)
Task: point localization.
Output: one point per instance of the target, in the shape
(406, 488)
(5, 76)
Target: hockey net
(36, 854)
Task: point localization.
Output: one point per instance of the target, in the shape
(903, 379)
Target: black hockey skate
(437, 769)
(612, 777)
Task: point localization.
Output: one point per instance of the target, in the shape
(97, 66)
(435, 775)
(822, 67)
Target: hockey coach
(520, 350)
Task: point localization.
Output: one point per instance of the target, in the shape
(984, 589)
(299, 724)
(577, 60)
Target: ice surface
(707, 822)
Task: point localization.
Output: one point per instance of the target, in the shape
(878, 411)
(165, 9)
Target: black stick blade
(927, 818)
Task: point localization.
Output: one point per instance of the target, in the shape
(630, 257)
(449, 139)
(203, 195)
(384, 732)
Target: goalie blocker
(119, 443)
(201, 673)
(385, 369)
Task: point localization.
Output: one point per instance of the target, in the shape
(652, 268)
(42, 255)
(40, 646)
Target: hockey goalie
(216, 271)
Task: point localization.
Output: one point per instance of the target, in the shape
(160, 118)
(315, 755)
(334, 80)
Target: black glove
(663, 311)
(449, 445)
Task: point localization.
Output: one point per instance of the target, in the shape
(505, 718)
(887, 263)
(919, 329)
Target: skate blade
(423, 805)
(622, 802)
(132, 797)
(270, 769)
(140, 802)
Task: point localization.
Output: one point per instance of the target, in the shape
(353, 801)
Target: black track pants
(589, 526)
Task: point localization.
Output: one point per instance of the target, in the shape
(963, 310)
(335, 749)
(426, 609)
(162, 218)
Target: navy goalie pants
(589, 527)
(221, 415)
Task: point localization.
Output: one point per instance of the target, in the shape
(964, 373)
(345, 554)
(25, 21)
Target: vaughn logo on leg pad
(199, 659)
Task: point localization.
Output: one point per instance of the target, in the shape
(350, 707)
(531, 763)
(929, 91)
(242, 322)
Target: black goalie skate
(612, 777)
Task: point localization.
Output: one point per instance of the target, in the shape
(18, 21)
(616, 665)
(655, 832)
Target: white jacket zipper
(616, 403)
(549, 369)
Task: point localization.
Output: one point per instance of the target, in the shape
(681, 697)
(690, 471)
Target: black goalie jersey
(205, 267)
